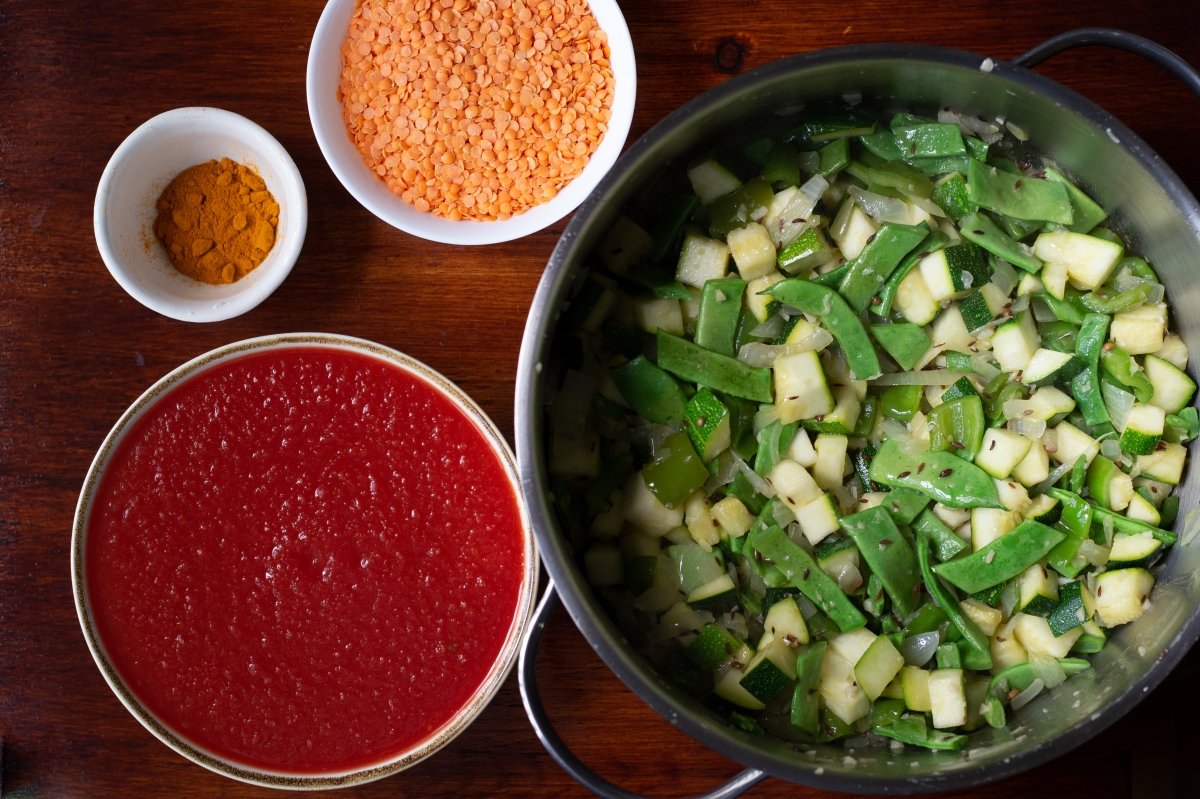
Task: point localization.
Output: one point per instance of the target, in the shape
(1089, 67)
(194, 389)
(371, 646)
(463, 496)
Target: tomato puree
(304, 559)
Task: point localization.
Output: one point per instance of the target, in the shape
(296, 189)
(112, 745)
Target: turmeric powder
(217, 221)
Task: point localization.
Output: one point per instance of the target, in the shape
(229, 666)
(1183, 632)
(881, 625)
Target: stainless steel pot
(1155, 211)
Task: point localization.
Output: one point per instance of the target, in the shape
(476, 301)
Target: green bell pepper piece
(1120, 366)
(900, 402)
(958, 425)
(735, 210)
(1086, 385)
(1018, 677)
(675, 472)
(805, 707)
(1108, 302)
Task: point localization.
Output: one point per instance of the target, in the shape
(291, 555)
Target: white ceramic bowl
(526, 559)
(325, 113)
(136, 175)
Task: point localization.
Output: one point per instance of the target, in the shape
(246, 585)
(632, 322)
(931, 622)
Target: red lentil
(476, 109)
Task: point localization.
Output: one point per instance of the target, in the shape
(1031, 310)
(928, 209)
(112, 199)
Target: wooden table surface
(75, 350)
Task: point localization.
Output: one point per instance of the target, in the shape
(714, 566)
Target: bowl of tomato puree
(303, 561)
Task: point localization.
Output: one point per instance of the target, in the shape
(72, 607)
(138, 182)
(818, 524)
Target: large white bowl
(134, 179)
(325, 113)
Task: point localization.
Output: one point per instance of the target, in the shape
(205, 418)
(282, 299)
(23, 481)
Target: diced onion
(920, 649)
(985, 130)
(1016, 408)
(1111, 449)
(1119, 402)
(1025, 697)
(764, 416)
(1042, 312)
(657, 598)
(1019, 304)
(1055, 475)
(930, 207)
(982, 365)
(1004, 276)
(849, 578)
(805, 200)
(1093, 553)
(723, 476)
(925, 377)
(1008, 598)
(770, 328)
(1028, 426)
(759, 354)
(1106, 524)
(678, 620)
(752, 477)
(879, 207)
(807, 608)
(782, 514)
(1048, 671)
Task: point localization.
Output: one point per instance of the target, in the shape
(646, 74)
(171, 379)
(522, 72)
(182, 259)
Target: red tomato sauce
(304, 559)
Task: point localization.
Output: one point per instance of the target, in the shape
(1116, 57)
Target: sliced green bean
(889, 555)
(837, 317)
(707, 368)
(941, 476)
(976, 654)
(1002, 559)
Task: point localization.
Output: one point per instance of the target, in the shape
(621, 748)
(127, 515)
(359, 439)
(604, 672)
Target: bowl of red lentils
(471, 121)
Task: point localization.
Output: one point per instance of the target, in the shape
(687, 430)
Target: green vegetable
(720, 312)
(887, 551)
(976, 654)
(836, 316)
(804, 573)
(941, 476)
(1002, 559)
(707, 368)
(651, 392)
(870, 270)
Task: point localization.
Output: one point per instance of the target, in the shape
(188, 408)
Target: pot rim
(590, 618)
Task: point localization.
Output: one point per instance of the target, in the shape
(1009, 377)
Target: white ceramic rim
(470, 710)
(226, 302)
(325, 114)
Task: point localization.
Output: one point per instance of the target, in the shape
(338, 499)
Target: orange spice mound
(476, 109)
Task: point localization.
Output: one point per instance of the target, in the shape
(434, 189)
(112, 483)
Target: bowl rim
(283, 259)
(470, 710)
(581, 604)
(394, 211)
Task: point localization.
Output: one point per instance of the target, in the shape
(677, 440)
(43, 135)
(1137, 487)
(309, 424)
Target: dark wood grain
(76, 78)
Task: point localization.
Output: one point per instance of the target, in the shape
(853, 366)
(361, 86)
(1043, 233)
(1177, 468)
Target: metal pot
(1154, 210)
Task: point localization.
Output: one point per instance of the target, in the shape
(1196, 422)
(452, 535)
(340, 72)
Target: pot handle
(1121, 40)
(555, 745)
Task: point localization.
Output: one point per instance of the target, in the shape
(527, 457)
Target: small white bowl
(325, 113)
(134, 179)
